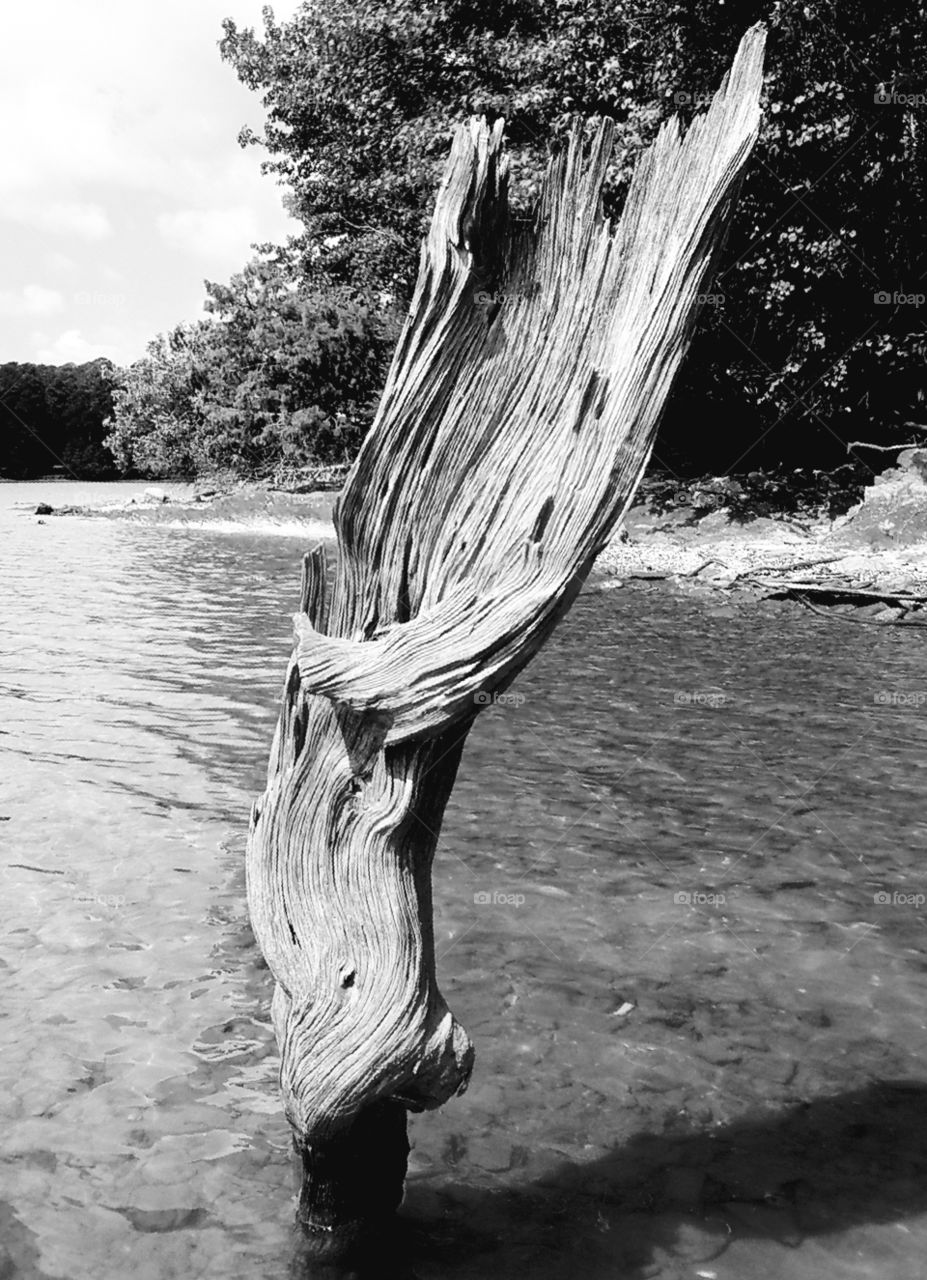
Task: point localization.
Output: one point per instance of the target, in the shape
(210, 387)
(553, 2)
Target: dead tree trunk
(518, 416)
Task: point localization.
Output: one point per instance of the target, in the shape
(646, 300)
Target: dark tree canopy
(814, 334)
(52, 419)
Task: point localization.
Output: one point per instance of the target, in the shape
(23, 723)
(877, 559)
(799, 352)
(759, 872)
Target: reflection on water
(678, 904)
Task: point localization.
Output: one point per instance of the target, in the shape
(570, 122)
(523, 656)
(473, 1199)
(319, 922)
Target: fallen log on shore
(834, 591)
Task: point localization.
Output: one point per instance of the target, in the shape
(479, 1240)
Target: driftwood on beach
(518, 416)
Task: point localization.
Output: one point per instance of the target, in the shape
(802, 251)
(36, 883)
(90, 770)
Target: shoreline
(841, 565)
(870, 562)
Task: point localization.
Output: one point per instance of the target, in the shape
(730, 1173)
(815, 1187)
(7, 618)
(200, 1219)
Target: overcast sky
(122, 184)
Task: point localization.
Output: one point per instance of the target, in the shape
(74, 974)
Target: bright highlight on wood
(518, 416)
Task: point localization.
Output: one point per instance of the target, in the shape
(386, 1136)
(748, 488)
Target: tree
(278, 375)
(52, 418)
(362, 100)
(809, 345)
(795, 355)
(295, 373)
(156, 421)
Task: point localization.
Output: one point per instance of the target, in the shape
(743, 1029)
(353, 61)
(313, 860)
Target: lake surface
(680, 907)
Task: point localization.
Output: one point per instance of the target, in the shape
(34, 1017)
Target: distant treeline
(52, 418)
(813, 335)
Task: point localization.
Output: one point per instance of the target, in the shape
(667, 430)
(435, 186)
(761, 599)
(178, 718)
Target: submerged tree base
(352, 1186)
(517, 419)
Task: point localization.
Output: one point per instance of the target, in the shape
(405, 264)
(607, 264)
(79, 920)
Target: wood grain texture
(518, 416)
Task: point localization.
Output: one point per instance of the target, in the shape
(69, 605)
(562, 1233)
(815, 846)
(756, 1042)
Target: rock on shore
(878, 547)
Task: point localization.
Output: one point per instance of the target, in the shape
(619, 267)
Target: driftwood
(518, 416)
(882, 448)
(835, 592)
(829, 613)
(839, 593)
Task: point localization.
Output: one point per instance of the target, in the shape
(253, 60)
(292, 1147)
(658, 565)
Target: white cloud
(85, 220)
(211, 233)
(124, 112)
(88, 221)
(133, 95)
(59, 263)
(72, 347)
(30, 300)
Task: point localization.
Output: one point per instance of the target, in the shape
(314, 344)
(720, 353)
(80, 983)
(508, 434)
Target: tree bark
(517, 419)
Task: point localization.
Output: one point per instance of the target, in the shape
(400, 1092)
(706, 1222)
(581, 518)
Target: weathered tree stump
(517, 419)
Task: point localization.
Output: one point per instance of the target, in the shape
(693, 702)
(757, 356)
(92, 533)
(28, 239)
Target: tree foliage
(52, 420)
(156, 419)
(814, 335)
(362, 100)
(280, 374)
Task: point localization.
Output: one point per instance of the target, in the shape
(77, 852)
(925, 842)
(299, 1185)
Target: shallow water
(684, 807)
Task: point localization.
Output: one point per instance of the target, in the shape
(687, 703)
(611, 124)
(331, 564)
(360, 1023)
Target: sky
(122, 184)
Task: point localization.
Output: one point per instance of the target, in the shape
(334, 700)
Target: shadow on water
(665, 1199)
